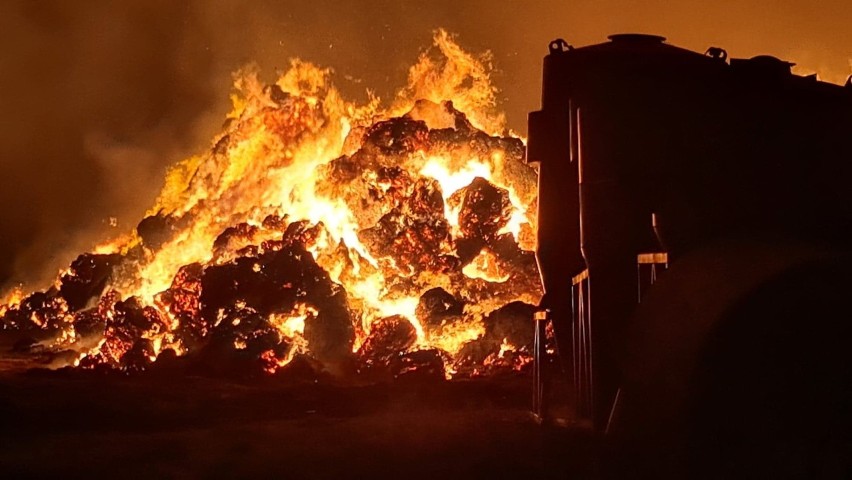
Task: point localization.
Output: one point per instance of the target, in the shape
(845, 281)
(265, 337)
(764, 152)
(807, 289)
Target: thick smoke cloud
(99, 97)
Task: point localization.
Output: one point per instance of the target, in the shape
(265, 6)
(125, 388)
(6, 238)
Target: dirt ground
(82, 424)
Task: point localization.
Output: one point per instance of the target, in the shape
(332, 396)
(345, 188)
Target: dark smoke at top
(99, 97)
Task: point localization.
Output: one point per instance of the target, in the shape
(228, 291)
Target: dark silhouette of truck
(695, 245)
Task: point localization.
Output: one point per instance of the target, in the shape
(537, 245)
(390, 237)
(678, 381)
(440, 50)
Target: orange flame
(273, 158)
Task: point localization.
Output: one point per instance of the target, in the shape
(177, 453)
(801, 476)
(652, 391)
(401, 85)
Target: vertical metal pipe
(575, 389)
(591, 352)
(539, 357)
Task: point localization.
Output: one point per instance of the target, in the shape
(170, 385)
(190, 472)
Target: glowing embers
(487, 267)
(322, 230)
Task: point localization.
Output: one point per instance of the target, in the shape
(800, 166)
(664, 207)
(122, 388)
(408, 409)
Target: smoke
(99, 97)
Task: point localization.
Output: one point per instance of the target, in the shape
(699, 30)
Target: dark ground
(82, 424)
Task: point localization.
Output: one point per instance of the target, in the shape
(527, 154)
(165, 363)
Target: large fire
(361, 238)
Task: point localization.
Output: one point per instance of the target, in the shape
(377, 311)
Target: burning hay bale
(245, 330)
(274, 281)
(512, 322)
(277, 281)
(496, 277)
(318, 230)
(389, 338)
(436, 307)
(182, 302)
(128, 323)
(484, 210)
(414, 245)
(45, 311)
(395, 137)
(86, 279)
(243, 342)
(88, 323)
(507, 343)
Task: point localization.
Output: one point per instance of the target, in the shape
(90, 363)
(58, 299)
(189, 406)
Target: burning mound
(378, 241)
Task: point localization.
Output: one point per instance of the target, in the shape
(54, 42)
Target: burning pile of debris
(378, 242)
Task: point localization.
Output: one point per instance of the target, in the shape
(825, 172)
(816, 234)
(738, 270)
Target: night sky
(99, 97)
